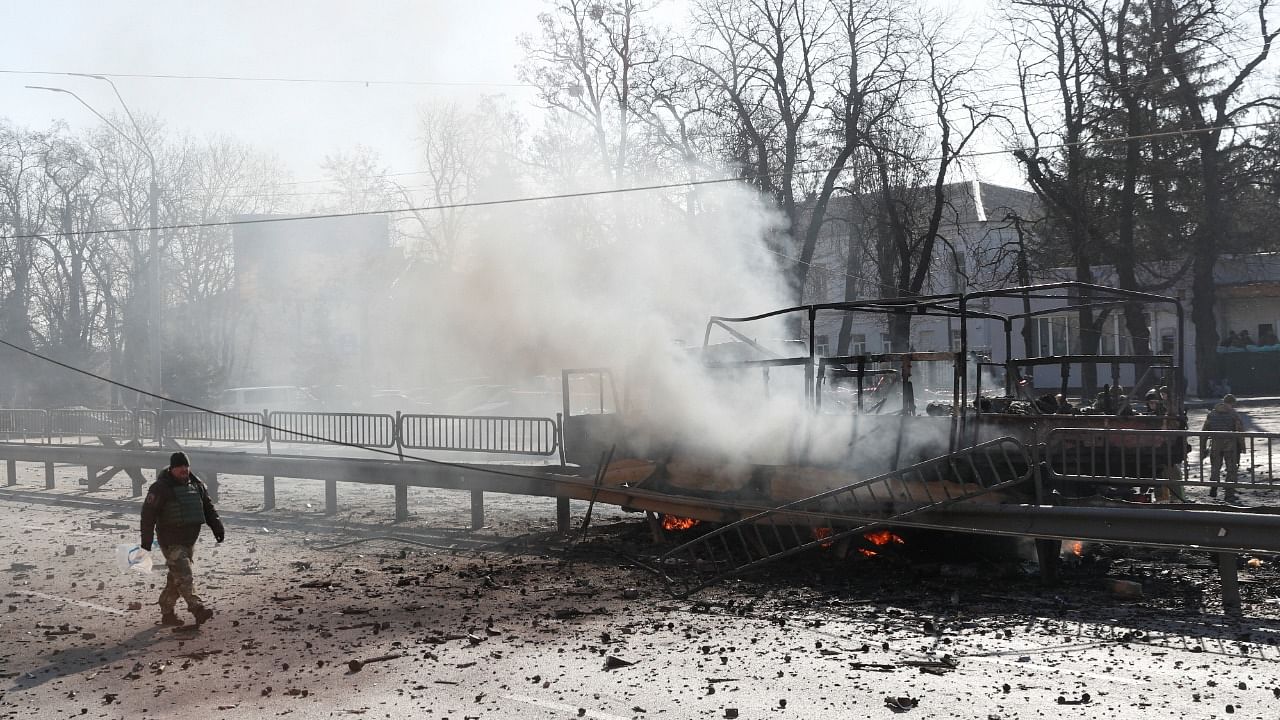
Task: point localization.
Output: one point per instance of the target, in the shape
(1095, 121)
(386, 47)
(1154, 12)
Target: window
(1057, 335)
(821, 345)
(1167, 342)
(886, 343)
(955, 341)
(260, 396)
(958, 274)
(926, 341)
(858, 344)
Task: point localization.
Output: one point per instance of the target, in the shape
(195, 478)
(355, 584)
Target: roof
(968, 202)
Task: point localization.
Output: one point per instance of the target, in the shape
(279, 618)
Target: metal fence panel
(147, 423)
(463, 433)
(115, 423)
(364, 429)
(23, 423)
(1123, 456)
(196, 425)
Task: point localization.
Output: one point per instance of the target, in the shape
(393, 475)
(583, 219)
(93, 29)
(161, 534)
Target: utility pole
(155, 294)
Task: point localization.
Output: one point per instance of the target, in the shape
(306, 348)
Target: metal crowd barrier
(195, 425)
(92, 423)
(354, 428)
(456, 433)
(24, 425)
(148, 423)
(463, 433)
(1156, 457)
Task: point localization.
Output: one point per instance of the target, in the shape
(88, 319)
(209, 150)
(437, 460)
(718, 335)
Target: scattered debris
(901, 703)
(1126, 589)
(357, 665)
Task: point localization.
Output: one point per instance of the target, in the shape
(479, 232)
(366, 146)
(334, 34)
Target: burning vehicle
(799, 426)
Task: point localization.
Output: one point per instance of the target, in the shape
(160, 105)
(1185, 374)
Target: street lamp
(153, 212)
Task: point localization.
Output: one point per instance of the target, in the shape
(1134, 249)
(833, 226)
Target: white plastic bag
(133, 557)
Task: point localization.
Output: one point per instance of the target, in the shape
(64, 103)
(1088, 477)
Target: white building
(979, 249)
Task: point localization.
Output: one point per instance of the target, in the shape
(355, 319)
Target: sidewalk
(1241, 401)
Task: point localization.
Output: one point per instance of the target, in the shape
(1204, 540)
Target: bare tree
(26, 200)
(957, 121)
(216, 180)
(1055, 44)
(588, 61)
(469, 153)
(767, 60)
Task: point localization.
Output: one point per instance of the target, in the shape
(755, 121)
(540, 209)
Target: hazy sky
(419, 40)
(446, 41)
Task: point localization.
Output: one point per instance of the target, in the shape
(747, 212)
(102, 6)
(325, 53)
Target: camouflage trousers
(177, 559)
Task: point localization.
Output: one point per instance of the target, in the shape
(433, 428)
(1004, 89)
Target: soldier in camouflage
(1223, 450)
(177, 505)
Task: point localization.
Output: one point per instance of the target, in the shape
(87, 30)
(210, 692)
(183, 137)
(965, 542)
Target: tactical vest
(1221, 420)
(186, 507)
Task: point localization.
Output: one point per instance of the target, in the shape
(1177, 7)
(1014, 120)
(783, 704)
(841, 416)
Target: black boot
(201, 614)
(169, 618)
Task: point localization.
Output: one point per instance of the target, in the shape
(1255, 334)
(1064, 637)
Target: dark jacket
(163, 512)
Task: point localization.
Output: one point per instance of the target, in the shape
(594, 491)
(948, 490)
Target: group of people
(1243, 339)
(1111, 400)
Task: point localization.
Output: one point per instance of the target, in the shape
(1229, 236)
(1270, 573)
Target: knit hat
(179, 459)
(1229, 399)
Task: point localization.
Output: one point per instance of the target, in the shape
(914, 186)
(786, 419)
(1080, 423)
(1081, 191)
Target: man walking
(1226, 450)
(177, 505)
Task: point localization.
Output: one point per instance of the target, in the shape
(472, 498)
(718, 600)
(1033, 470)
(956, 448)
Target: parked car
(270, 397)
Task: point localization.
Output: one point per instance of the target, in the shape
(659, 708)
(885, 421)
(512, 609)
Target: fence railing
(350, 428)
(1155, 457)
(116, 423)
(455, 433)
(17, 424)
(195, 425)
(465, 433)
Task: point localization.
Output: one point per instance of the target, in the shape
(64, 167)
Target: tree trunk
(1207, 246)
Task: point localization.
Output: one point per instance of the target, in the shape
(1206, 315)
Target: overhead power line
(634, 189)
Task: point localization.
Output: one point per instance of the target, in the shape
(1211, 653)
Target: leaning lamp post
(154, 368)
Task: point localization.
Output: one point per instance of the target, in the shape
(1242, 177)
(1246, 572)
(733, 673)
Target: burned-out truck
(841, 419)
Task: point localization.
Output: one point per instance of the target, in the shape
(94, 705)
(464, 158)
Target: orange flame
(673, 522)
(868, 553)
(1077, 548)
(821, 533)
(883, 537)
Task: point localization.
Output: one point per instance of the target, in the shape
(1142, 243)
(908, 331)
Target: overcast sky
(420, 40)
(447, 41)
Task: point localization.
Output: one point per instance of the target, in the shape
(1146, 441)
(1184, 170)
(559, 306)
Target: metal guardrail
(195, 425)
(365, 429)
(1162, 457)
(463, 433)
